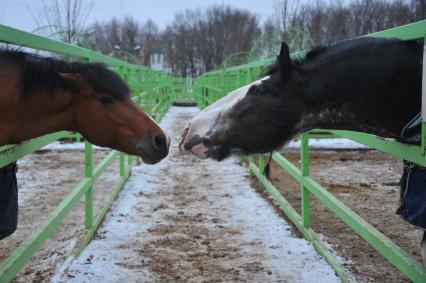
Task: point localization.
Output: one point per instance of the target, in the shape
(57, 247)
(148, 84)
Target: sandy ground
(45, 179)
(368, 182)
(186, 220)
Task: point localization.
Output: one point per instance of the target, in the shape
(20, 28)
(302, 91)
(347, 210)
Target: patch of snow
(70, 146)
(336, 143)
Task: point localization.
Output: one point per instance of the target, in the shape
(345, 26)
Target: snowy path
(187, 220)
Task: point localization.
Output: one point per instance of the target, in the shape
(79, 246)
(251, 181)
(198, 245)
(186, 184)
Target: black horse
(369, 85)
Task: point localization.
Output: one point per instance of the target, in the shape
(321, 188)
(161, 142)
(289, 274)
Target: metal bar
(305, 198)
(409, 152)
(406, 32)
(22, 38)
(11, 153)
(102, 212)
(261, 158)
(88, 172)
(21, 255)
(122, 164)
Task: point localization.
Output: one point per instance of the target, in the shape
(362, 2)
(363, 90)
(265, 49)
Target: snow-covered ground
(69, 146)
(326, 143)
(187, 220)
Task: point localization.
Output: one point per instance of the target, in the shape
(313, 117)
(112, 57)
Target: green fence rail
(213, 85)
(150, 89)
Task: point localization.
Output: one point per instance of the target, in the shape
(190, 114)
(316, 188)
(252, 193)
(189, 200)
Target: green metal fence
(155, 92)
(213, 85)
(151, 90)
(183, 92)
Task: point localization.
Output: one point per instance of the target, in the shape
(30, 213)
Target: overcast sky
(20, 13)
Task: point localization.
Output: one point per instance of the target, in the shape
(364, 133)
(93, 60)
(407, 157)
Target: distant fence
(150, 89)
(213, 85)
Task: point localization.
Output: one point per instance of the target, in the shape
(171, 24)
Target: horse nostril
(159, 141)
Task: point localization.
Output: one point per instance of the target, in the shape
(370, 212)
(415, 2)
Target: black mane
(357, 46)
(43, 72)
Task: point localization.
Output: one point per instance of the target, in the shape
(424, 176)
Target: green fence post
(122, 164)
(305, 197)
(261, 163)
(250, 160)
(89, 173)
(88, 150)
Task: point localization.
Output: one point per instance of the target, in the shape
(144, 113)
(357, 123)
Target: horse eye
(105, 100)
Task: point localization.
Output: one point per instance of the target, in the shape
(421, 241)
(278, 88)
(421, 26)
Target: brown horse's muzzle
(154, 150)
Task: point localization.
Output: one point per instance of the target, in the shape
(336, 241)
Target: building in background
(158, 61)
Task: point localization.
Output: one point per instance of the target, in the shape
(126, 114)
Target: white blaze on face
(203, 122)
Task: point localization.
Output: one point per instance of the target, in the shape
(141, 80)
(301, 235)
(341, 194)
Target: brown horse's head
(104, 113)
(41, 95)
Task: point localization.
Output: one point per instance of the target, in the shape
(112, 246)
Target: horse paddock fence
(155, 92)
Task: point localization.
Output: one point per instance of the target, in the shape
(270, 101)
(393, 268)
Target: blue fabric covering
(8, 201)
(413, 181)
(413, 195)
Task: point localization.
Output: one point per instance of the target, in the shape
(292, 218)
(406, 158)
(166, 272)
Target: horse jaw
(204, 123)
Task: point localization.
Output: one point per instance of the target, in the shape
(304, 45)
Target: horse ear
(71, 80)
(284, 61)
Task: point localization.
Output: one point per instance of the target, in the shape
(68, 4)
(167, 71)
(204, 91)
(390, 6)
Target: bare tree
(64, 19)
(419, 9)
(149, 39)
(126, 38)
(197, 42)
(284, 9)
(331, 21)
(130, 35)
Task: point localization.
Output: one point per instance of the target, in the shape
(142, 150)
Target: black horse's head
(256, 118)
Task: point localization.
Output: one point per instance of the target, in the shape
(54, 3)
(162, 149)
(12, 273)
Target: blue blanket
(413, 181)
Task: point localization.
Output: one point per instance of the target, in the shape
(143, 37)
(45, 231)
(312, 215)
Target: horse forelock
(104, 80)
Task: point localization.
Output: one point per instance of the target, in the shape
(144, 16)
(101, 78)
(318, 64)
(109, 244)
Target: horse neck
(332, 101)
(35, 115)
(328, 114)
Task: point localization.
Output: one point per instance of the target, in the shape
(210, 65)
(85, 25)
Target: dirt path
(186, 220)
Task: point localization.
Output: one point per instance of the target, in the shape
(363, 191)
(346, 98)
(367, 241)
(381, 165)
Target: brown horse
(41, 95)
